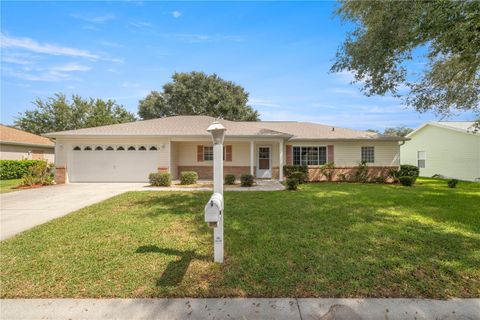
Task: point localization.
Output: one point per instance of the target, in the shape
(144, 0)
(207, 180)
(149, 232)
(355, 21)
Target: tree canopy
(196, 93)
(57, 113)
(386, 34)
(400, 131)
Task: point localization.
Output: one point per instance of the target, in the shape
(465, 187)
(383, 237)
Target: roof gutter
(26, 144)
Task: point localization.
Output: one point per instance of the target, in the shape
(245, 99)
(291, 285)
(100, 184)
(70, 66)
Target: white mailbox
(214, 208)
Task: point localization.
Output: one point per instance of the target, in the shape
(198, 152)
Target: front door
(264, 162)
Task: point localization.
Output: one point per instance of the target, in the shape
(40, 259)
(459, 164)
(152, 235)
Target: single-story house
(447, 148)
(21, 145)
(130, 151)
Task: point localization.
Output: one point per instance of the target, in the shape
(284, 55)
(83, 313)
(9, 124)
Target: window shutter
(199, 153)
(289, 155)
(228, 153)
(330, 154)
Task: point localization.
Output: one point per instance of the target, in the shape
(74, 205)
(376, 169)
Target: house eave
(26, 144)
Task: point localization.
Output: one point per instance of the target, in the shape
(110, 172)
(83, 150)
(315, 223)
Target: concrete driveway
(25, 209)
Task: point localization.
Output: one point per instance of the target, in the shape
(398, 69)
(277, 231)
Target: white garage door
(113, 163)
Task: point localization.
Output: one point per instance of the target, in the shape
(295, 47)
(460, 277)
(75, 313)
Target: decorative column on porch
(280, 161)
(252, 158)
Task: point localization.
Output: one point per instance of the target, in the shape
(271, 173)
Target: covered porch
(261, 158)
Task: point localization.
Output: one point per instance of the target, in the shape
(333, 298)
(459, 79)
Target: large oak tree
(385, 37)
(196, 93)
(57, 113)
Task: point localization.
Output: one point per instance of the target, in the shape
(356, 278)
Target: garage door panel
(112, 166)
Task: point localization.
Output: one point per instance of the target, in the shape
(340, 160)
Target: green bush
(300, 176)
(452, 183)
(229, 179)
(361, 175)
(289, 169)
(292, 183)
(407, 170)
(15, 169)
(160, 179)
(328, 171)
(344, 177)
(188, 177)
(407, 181)
(246, 180)
(39, 173)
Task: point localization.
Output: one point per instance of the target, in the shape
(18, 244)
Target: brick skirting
(315, 174)
(60, 175)
(206, 172)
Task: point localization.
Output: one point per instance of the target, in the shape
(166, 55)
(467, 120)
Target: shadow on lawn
(175, 270)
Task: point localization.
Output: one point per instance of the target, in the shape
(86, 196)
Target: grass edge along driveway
(326, 240)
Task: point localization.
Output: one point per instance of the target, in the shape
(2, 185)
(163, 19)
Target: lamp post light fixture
(215, 207)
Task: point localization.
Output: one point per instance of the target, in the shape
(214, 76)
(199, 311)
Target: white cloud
(70, 67)
(140, 24)
(176, 14)
(15, 60)
(259, 102)
(45, 48)
(94, 19)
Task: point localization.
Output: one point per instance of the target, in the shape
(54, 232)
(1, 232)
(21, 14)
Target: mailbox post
(215, 206)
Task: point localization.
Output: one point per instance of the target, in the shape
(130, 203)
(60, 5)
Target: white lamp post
(217, 131)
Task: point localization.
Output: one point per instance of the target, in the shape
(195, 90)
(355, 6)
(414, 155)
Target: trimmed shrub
(344, 177)
(229, 179)
(292, 183)
(328, 171)
(407, 170)
(39, 173)
(300, 176)
(15, 169)
(188, 177)
(289, 169)
(361, 175)
(407, 181)
(160, 179)
(246, 180)
(452, 183)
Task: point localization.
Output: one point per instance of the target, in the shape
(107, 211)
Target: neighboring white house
(130, 151)
(21, 145)
(447, 148)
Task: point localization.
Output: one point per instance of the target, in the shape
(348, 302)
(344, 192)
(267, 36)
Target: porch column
(280, 161)
(252, 158)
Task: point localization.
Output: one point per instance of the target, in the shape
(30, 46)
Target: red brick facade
(206, 172)
(60, 175)
(315, 174)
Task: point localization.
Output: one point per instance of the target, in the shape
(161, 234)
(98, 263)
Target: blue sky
(280, 52)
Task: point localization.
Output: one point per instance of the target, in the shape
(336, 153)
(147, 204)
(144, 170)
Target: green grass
(326, 240)
(9, 185)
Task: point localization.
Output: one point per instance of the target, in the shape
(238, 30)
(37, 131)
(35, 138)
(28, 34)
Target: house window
(310, 156)
(142, 148)
(153, 148)
(131, 148)
(87, 148)
(207, 153)
(421, 157)
(98, 148)
(77, 148)
(109, 148)
(120, 148)
(368, 154)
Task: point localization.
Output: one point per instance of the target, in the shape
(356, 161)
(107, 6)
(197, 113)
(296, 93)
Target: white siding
(348, 153)
(448, 152)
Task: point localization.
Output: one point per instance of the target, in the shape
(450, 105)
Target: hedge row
(15, 169)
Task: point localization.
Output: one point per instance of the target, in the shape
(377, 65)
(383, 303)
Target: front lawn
(326, 240)
(9, 185)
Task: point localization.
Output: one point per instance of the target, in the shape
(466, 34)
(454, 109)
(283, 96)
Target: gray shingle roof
(197, 126)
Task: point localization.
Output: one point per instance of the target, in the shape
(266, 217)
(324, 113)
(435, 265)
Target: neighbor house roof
(461, 126)
(10, 135)
(197, 126)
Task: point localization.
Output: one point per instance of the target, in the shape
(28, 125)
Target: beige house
(21, 145)
(130, 151)
(447, 148)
